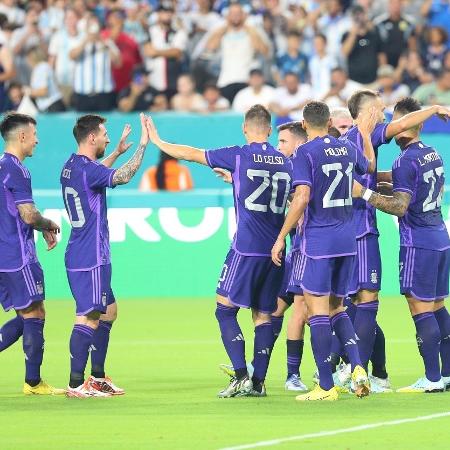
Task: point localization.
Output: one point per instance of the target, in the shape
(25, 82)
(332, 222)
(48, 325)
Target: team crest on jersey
(374, 277)
(104, 298)
(39, 288)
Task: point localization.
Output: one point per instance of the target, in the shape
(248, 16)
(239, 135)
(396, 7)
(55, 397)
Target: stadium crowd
(204, 56)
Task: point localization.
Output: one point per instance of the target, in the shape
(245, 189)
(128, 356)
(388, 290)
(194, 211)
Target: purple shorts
(91, 289)
(21, 288)
(250, 281)
(366, 273)
(324, 276)
(424, 274)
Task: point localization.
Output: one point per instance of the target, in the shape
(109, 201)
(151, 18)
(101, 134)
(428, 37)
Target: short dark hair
(259, 117)
(356, 101)
(316, 114)
(86, 125)
(295, 128)
(12, 121)
(333, 131)
(407, 105)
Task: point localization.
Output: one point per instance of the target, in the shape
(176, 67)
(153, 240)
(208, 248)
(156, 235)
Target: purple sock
(443, 320)
(365, 324)
(232, 337)
(100, 348)
(80, 342)
(344, 330)
(337, 351)
(428, 339)
(262, 349)
(378, 358)
(321, 346)
(10, 332)
(277, 324)
(351, 308)
(294, 349)
(33, 347)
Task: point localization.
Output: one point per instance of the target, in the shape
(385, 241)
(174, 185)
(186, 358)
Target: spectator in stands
(140, 95)
(201, 20)
(320, 66)
(187, 99)
(15, 96)
(341, 88)
(435, 92)
(168, 175)
(14, 14)
(164, 51)
(437, 14)
(341, 119)
(94, 58)
(7, 73)
(43, 86)
(213, 100)
(362, 48)
(396, 31)
(238, 44)
(256, 93)
(290, 99)
(128, 47)
(410, 71)
(436, 49)
(60, 45)
(136, 22)
(293, 60)
(390, 91)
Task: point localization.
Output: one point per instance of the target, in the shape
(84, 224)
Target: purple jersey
(419, 171)
(365, 214)
(327, 165)
(17, 247)
(84, 184)
(261, 184)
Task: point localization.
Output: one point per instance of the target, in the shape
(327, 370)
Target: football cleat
(446, 381)
(228, 369)
(42, 389)
(343, 374)
(84, 391)
(318, 394)
(255, 393)
(105, 385)
(360, 382)
(237, 388)
(295, 383)
(382, 382)
(423, 385)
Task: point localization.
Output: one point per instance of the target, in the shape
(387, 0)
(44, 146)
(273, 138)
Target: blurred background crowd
(204, 56)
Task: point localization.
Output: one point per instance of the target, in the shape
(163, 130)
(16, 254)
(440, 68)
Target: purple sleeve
(20, 187)
(302, 169)
(99, 176)
(361, 162)
(225, 157)
(404, 176)
(379, 135)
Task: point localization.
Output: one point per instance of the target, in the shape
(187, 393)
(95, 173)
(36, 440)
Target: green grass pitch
(165, 354)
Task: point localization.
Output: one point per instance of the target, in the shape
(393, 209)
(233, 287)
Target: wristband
(367, 194)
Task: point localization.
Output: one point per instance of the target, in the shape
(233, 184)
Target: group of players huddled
(318, 187)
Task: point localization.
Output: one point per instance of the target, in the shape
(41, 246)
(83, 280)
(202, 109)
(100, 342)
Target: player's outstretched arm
(296, 210)
(31, 216)
(397, 205)
(121, 148)
(416, 118)
(125, 173)
(366, 124)
(177, 151)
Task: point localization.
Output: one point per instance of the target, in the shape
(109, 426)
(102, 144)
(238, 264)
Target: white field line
(365, 427)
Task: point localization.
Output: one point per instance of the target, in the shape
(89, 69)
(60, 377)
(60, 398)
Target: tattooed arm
(31, 216)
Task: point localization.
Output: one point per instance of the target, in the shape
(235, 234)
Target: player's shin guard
(99, 349)
(365, 328)
(294, 349)
(344, 330)
(33, 347)
(443, 320)
(262, 350)
(321, 346)
(428, 340)
(232, 337)
(10, 332)
(277, 324)
(378, 358)
(80, 342)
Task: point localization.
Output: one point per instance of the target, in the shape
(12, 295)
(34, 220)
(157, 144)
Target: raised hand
(152, 131)
(144, 130)
(443, 113)
(367, 121)
(123, 145)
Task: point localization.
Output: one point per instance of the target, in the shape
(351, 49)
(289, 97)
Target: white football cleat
(84, 391)
(295, 383)
(423, 385)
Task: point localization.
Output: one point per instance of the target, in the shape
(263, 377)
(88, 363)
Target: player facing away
(418, 184)
(261, 185)
(290, 136)
(366, 279)
(22, 285)
(323, 177)
(84, 181)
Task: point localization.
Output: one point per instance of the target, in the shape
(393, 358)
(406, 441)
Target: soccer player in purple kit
(88, 264)
(21, 277)
(366, 280)
(261, 185)
(418, 183)
(323, 177)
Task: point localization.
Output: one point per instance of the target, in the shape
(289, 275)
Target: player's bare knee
(336, 305)
(366, 296)
(260, 317)
(282, 306)
(35, 311)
